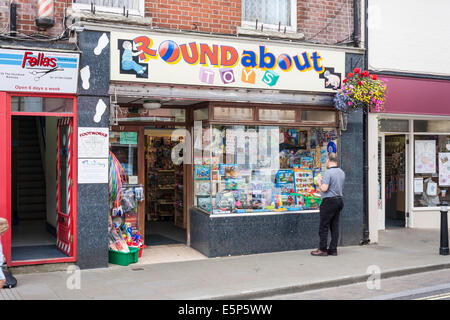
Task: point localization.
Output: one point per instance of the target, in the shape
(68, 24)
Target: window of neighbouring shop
(267, 165)
(431, 167)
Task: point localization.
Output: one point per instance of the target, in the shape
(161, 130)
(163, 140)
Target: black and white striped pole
(443, 249)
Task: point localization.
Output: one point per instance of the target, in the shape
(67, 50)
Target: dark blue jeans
(330, 210)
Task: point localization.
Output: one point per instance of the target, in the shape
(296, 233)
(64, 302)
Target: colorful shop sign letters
(202, 60)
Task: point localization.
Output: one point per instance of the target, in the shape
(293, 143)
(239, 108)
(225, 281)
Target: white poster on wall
(418, 185)
(425, 156)
(92, 170)
(444, 169)
(93, 142)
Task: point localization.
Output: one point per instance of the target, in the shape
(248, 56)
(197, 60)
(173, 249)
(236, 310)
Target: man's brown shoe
(319, 253)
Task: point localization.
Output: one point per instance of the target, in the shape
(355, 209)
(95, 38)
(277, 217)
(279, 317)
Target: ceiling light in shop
(151, 104)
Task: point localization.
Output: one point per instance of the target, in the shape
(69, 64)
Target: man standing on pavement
(330, 187)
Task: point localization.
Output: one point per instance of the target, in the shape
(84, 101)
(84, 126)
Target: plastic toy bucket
(124, 259)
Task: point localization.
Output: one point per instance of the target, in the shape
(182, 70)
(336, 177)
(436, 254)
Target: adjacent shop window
(39, 104)
(124, 145)
(201, 114)
(434, 126)
(271, 13)
(134, 7)
(247, 169)
(233, 113)
(276, 115)
(431, 169)
(387, 125)
(319, 116)
(156, 115)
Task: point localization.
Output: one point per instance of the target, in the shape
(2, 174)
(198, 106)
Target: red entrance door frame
(6, 176)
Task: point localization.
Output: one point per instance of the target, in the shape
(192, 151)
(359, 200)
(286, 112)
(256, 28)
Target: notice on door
(93, 142)
(92, 170)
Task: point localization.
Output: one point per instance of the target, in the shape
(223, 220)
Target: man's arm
(324, 183)
(323, 187)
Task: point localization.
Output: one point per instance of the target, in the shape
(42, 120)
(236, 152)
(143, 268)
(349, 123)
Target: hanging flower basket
(361, 91)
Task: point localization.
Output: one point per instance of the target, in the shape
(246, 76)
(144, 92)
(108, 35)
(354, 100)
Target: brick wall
(26, 15)
(217, 16)
(325, 21)
(322, 21)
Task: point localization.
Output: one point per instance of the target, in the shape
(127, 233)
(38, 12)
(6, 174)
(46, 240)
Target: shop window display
(247, 169)
(431, 170)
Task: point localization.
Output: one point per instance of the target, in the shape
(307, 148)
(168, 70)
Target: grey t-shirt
(334, 177)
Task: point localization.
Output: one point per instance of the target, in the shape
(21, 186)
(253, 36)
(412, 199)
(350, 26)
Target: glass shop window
(431, 170)
(388, 125)
(232, 113)
(249, 169)
(434, 126)
(319, 116)
(40, 104)
(275, 115)
(124, 145)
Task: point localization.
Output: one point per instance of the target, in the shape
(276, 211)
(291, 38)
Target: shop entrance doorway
(38, 175)
(146, 153)
(41, 227)
(395, 181)
(165, 185)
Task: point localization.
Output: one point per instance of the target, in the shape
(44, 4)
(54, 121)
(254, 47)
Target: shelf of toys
(123, 226)
(160, 178)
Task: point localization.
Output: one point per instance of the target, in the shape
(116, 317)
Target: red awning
(417, 96)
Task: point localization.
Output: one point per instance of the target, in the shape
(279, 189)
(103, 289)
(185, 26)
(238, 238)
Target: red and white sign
(38, 71)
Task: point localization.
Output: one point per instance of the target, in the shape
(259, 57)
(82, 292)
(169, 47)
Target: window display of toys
(202, 172)
(303, 179)
(285, 176)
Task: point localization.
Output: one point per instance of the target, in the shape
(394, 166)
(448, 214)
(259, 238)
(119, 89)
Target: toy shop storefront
(246, 141)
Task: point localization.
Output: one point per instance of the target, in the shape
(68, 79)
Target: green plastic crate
(124, 259)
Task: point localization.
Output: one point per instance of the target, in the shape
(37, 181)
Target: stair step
(31, 134)
(30, 177)
(29, 142)
(35, 215)
(39, 191)
(29, 199)
(30, 184)
(31, 207)
(30, 156)
(28, 163)
(30, 170)
(29, 149)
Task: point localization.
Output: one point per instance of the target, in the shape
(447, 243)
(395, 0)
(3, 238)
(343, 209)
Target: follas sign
(38, 71)
(198, 60)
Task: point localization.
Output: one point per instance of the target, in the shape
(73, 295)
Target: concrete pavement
(399, 252)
